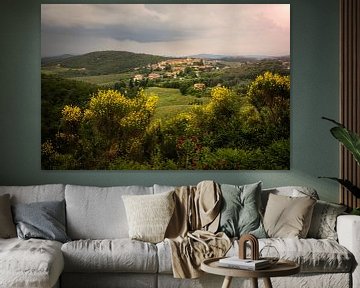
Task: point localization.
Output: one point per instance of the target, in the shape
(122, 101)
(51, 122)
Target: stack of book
(248, 264)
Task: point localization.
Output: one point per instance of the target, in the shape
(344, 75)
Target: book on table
(249, 264)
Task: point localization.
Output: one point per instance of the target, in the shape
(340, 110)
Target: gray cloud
(121, 33)
(166, 28)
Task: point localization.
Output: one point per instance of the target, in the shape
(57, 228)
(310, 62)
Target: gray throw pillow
(7, 226)
(240, 213)
(44, 220)
(323, 222)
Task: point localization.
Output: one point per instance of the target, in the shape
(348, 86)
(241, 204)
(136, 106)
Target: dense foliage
(55, 94)
(246, 128)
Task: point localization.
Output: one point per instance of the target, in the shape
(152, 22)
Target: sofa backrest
(36, 193)
(98, 212)
(163, 188)
(293, 191)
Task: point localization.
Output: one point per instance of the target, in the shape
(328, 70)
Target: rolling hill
(101, 62)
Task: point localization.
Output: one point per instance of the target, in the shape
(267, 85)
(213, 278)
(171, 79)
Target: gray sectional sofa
(101, 254)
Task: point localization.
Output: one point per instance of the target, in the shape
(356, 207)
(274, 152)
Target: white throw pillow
(149, 215)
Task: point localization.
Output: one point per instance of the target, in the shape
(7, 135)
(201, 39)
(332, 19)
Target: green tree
(168, 67)
(120, 86)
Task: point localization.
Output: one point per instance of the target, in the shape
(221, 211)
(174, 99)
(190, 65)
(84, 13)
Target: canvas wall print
(165, 86)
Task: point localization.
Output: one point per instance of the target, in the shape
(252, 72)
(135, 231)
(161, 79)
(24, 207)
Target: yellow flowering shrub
(268, 87)
(270, 95)
(220, 93)
(71, 113)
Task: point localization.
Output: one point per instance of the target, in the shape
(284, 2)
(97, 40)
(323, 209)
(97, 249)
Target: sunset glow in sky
(166, 29)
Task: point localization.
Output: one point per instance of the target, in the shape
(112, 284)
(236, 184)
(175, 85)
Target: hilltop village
(174, 68)
(180, 68)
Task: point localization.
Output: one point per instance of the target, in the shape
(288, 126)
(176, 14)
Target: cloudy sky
(166, 29)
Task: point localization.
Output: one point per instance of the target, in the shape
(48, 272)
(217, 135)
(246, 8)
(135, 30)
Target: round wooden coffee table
(281, 268)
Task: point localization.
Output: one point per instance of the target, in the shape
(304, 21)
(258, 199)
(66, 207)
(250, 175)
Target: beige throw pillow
(7, 226)
(288, 217)
(149, 215)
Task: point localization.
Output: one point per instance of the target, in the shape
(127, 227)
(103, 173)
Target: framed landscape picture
(165, 86)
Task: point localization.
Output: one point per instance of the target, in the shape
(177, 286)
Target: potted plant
(351, 141)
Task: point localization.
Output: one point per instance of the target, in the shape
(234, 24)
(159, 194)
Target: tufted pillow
(240, 213)
(7, 226)
(149, 215)
(323, 222)
(288, 217)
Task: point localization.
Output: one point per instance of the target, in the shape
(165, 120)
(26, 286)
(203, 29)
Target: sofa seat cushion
(115, 255)
(164, 257)
(30, 263)
(313, 255)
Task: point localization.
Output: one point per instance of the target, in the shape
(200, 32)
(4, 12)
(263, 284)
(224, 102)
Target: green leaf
(348, 185)
(333, 121)
(355, 211)
(348, 138)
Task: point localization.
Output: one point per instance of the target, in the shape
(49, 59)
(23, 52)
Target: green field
(172, 102)
(54, 70)
(103, 80)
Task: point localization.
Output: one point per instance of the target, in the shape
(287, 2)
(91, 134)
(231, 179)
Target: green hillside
(57, 92)
(99, 63)
(172, 102)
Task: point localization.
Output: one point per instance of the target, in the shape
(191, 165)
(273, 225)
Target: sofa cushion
(323, 222)
(98, 213)
(313, 255)
(164, 257)
(163, 188)
(7, 226)
(149, 215)
(287, 216)
(291, 191)
(116, 255)
(43, 220)
(36, 193)
(30, 263)
(240, 210)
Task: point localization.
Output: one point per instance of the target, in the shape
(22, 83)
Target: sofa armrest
(348, 230)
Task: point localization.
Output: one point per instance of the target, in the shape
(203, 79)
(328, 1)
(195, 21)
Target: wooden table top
(281, 268)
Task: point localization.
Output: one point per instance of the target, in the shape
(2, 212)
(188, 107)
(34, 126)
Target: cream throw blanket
(191, 231)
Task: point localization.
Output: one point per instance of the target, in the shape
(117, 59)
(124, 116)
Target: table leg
(267, 283)
(227, 282)
(254, 282)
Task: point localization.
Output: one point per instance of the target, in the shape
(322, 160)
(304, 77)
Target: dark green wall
(314, 93)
